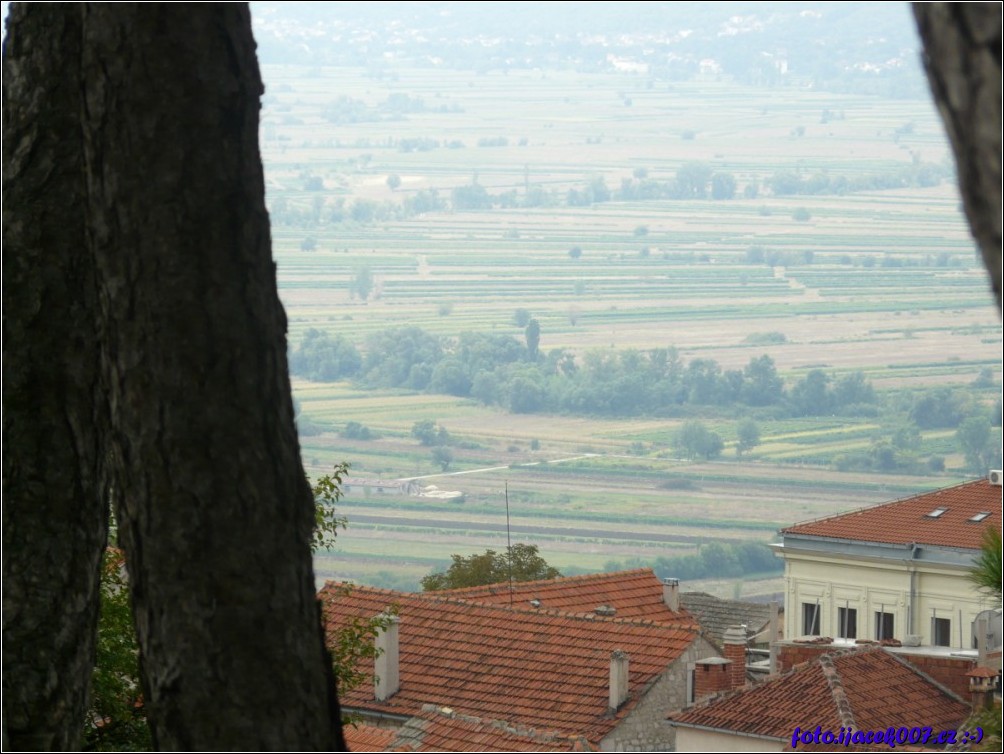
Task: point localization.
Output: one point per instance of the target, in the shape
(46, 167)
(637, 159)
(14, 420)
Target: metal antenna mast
(508, 536)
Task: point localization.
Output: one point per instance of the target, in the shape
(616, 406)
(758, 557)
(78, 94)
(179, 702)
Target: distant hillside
(835, 46)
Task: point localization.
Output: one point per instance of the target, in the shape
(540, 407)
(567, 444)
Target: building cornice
(905, 555)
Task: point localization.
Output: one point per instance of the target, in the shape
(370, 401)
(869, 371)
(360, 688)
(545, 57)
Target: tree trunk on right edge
(54, 515)
(962, 55)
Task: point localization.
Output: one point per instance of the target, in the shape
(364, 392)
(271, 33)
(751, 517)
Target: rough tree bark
(215, 514)
(962, 55)
(54, 517)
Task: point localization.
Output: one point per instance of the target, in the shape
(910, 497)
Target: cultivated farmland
(885, 282)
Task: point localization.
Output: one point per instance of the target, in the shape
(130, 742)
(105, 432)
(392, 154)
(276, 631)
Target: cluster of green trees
(915, 175)
(436, 437)
(513, 373)
(896, 448)
(501, 370)
(521, 563)
(396, 106)
(712, 560)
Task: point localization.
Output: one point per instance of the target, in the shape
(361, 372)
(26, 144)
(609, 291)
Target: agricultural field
(882, 281)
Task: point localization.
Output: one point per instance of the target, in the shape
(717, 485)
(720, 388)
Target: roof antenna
(508, 536)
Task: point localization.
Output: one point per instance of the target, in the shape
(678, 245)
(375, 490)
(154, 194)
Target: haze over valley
(676, 275)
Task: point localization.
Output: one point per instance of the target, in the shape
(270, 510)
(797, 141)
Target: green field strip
(399, 504)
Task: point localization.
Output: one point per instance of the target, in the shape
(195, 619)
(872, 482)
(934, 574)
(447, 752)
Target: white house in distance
(897, 571)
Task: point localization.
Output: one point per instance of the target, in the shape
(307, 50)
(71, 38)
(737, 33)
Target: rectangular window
(810, 619)
(941, 632)
(884, 626)
(847, 622)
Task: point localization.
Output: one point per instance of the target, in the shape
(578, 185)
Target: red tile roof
(907, 521)
(634, 594)
(445, 730)
(868, 689)
(539, 668)
(363, 737)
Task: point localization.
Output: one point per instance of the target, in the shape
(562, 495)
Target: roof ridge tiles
(417, 598)
(350, 585)
(795, 669)
(832, 676)
(829, 686)
(503, 586)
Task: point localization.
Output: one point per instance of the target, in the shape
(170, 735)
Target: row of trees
(692, 180)
(712, 560)
(501, 370)
(511, 373)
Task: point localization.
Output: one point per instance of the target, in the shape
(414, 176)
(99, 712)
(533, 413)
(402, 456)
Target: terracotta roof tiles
(544, 669)
(868, 689)
(910, 520)
(636, 594)
(362, 737)
(436, 729)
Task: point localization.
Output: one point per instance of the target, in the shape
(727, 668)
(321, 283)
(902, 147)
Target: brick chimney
(386, 666)
(671, 593)
(734, 649)
(618, 679)
(712, 676)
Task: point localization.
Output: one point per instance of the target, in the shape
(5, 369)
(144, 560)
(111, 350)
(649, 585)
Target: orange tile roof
(868, 689)
(635, 594)
(363, 737)
(446, 730)
(540, 668)
(907, 521)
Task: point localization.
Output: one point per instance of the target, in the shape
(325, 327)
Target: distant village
(881, 630)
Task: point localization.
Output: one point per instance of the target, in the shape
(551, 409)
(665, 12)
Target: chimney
(386, 667)
(671, 593)
(618, 679)
(711, 676)
(982, 684)
(734, 649)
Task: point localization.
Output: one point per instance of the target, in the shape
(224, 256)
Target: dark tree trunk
(54, 517)
(215, 513)
(962, 55)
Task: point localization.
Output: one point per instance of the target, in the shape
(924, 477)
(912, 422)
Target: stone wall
(645, 727)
